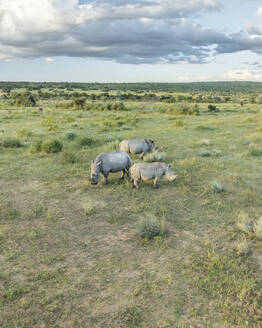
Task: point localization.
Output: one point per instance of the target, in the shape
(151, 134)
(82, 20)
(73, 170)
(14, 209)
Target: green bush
(150, 228)
(11, 143)
(86, 141)
(218, 187)
(209, 153)
(53, 146)
(70, 135)
(69, 157)
(212, 108)
(155, 156)
(183, 109)
(24, 133)
(255, 150)
(36, 147)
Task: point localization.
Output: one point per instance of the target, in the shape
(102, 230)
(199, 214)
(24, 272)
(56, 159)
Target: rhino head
(95, 171)
(169, 174)
(151, 144)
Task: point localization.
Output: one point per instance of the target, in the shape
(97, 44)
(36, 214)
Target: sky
(131, 40)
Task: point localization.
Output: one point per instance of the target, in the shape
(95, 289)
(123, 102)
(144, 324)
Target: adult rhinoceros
(137, 146)
(110, 162)
(151, 171)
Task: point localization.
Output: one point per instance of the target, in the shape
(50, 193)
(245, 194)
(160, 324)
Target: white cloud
(49, 59)
(131, 31)
(241, 75)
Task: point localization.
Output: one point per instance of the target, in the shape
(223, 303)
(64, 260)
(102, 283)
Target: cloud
(241, 75)
(49, 60)
(131, 31)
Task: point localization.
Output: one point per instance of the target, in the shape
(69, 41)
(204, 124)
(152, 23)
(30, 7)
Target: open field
(70, 252)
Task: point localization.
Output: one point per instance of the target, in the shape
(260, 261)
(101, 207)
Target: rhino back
(137, 146)
(116, 161)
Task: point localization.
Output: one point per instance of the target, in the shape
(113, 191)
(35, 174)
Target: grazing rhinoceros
(137, 146)
(151, 171)
(110, 162)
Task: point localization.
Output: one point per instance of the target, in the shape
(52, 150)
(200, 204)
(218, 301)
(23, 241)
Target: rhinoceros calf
(137, 146)
(151, 171)
(110, 162)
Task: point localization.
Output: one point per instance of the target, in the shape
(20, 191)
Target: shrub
(209, 153)
(11, 143)
(212, 108)
(179, 123)
(205, 142)
(24, 133)
(218, 187)
(183, 109)
(86, 141)
(150, 228)
(36, 147)
(70, 135)
(255, 150)
(245, 223)
(155, 156)
(25, 98)
(53, 146)
(69, 157)
(258, 228)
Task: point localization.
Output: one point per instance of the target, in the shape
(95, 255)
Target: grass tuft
(245, 223)
(150, 228)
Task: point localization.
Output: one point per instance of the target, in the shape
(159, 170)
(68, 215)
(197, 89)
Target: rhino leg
(142, 155)
(123, 172)
(156, 182)
(135, 184)
(105, 176)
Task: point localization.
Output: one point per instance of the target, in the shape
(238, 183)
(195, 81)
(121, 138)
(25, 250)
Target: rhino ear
(99, 163)
(92, 162)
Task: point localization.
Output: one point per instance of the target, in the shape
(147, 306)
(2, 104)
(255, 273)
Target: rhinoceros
(137, 146)
(151, 171)
(110, 162)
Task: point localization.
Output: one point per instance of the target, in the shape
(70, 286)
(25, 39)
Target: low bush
(36, 147)
(212, 108)
(86, 141)
(209, 153)
(155, 156)
(150, 228)
(53, 146)
(255, 150)
(218, 187)
(24, 133)
(183, 109)
(11, 143)
(258, 228)
(69, 157)
(205, 142)
(70, 135)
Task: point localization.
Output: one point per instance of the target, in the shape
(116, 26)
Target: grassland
(70, 253)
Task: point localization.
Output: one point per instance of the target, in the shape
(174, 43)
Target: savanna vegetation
(188, 254)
